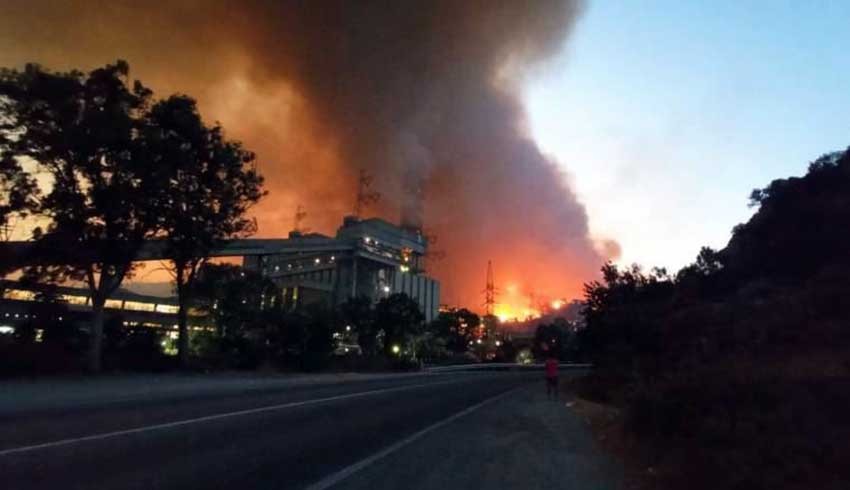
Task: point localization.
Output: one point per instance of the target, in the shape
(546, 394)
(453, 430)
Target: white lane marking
(208, 418)
(334, 478)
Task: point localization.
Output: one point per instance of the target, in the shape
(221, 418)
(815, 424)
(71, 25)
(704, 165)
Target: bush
(720, 430)
(210, 350)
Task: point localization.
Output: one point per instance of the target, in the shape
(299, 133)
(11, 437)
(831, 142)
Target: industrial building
(20, 304)
(369, 257)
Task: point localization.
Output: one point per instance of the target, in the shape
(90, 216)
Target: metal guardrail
(502, 366)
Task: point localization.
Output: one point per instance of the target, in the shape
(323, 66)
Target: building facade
(371, 258)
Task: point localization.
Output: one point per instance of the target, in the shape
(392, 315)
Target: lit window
(73, 299)
(139, 306)
(112, 303)
(19, 294)
(166, 309)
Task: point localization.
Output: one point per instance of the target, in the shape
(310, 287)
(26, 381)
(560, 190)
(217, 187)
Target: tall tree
(81, 131)
(458, 327)
(358, 314)
(209, 183)
(399, 318)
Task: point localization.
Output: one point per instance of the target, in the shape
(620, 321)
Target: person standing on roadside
(551, 368)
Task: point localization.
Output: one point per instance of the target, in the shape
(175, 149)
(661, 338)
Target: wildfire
(507, 312)
(518, 303)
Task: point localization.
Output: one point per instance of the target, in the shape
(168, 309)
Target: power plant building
(370, 257)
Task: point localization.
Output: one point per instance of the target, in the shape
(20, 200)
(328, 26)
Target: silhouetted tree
(358, 313)
(208, 184)
(622, 315)
(82, 131)
(399, 318)
(18, 190)
(458, 327)
(232, 297)
(553, 339)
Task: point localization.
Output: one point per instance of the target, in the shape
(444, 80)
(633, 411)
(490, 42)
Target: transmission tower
(300, 214)
(490, 291)
(365, 194)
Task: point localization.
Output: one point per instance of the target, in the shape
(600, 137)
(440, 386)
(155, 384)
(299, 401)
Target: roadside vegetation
(735, 371)
(241, 323)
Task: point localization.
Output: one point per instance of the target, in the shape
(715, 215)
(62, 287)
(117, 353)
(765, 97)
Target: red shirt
(551, 368)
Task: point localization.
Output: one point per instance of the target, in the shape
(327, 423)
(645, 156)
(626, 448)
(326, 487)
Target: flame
(520, 303)
(507, 312)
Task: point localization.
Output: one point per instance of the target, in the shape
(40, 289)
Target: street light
(396, 349)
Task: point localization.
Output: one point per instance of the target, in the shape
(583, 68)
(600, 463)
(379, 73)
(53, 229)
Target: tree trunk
(96, 335)
(182, 324)
(183, 334)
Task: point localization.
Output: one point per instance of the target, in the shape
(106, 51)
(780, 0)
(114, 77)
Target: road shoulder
(520, 441)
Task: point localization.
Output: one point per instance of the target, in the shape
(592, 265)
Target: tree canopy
(399, 318)
(82, 130)
(120, 169)
(208, 183)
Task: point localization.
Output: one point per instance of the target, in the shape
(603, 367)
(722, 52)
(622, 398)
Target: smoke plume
(422, 95)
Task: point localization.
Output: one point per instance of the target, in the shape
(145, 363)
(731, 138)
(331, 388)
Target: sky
(666, 114)
(663, 116)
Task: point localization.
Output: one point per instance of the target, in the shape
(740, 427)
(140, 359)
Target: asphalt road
(285, 438)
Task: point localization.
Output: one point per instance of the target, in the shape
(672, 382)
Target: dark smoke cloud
(423, 95)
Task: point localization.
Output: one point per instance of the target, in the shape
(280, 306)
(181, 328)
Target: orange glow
(316, 121)
(557, 304)
(507, 312)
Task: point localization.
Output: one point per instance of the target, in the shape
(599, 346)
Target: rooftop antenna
(365, 194)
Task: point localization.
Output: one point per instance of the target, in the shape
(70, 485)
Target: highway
(284, 438)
